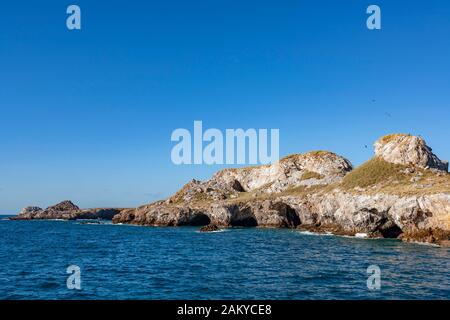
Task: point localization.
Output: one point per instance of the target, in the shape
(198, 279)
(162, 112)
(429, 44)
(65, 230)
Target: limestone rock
(408, 150)
(288, 172)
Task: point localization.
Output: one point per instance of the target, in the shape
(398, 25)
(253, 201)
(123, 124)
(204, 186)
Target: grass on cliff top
(373, 172)
(197, 197)
(377, 175)
(391, 137)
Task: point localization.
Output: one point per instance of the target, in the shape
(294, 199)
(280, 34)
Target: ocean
(132, 262)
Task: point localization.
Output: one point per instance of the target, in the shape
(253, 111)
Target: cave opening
(245, 222)
(200, 219)
(393, 231)
(292, 217)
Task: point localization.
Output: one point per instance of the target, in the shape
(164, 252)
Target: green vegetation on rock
(378, 175)
(311, 175)
(373, 172)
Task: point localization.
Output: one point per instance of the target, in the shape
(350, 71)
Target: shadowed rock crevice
(199, 219)
(389, 229)
(290, 217)
(236, 185)
(293, 218)
(393, 232)
(243, 217)
(245, 222)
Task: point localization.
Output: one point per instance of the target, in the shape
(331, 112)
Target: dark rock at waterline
(429, 235)
(209, 228)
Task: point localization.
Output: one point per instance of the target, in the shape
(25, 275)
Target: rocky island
(66, 210)
(402, 192)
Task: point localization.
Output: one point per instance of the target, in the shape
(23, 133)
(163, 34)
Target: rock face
(378, 215)
(316, 167)
(406, 150)
(318, 191)
(264, 213)
(66, 210)
(313, 168)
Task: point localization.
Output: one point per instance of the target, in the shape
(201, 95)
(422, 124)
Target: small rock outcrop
(209, 228)
(408, 150)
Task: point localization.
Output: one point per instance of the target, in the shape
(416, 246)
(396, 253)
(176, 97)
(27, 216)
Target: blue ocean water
(130, 262)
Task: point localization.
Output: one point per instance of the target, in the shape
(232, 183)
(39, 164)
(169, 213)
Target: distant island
(402, 192)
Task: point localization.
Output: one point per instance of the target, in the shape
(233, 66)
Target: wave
(310, 233)
(361, 235)
(426, 244)
(95, 223)
(217, 231)
(328, 233)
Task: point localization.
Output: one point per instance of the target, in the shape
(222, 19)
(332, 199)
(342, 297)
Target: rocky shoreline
(403, 192)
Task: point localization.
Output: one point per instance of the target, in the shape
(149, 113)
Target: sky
(87, 115)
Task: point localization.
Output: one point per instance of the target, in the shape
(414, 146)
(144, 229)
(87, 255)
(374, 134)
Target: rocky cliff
(403, 192)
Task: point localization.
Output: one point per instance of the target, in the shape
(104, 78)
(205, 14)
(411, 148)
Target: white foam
(361, 235)
(216, 231)
(309, 233)
(426, 244)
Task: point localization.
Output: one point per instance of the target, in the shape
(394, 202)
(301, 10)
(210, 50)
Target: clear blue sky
(87, 115)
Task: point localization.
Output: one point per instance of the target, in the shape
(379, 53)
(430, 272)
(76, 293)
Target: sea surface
(131, 262)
